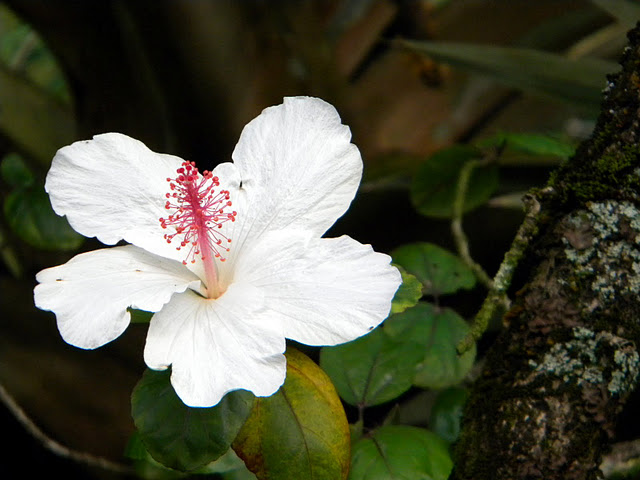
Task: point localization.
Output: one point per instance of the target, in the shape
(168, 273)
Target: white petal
(215, 346)
(327, 290)
(113, 187)
(90, 293)
(298, 168)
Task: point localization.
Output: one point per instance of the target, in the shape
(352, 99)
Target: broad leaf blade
(437, 331)
(434, 186)
(299, 432)
(440, 271)
(400, 452)
(372, 369)
(181, 437)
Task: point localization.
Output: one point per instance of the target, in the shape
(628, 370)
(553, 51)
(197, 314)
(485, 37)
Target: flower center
(196, 216)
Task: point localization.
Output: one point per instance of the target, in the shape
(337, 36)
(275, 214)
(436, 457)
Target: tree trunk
(559, 374)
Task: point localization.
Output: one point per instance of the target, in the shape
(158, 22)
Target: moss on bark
(556, 379)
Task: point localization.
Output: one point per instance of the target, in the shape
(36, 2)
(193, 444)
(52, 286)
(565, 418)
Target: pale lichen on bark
(556, 379)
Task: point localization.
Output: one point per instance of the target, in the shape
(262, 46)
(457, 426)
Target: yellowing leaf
(300, 432)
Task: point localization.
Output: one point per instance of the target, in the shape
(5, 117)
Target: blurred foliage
(426, 87)
(576, 81)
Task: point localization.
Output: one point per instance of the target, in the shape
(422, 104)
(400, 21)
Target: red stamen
(197, 213)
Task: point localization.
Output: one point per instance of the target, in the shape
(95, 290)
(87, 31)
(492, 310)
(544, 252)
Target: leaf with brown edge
(299, 432)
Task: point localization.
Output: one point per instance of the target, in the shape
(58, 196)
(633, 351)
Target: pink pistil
(197, 215)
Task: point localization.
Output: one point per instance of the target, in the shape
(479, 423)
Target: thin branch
(497, 295)
(459, 236)
(54, 446)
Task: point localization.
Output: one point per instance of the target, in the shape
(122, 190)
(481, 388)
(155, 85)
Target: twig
(55, 447)
(498, 292)
(459, 236)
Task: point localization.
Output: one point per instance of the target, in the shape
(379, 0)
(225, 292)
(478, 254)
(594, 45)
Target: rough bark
(559, 374)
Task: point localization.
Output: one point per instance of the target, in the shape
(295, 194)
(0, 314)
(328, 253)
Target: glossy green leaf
(372, 369)
(299, 432)
(532, 143)
(437, 331)
(408, 294)
(446, 413)
(400, 452)
(434, 186)
(30, 216)
(180, 437)
(440, 271)
(15, 172)
(579, 81)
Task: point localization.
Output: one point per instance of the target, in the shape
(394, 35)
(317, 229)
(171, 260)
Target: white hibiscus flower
(231, 261)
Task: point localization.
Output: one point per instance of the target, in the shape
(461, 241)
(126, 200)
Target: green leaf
(437, 331)
(23, 51)
(626, 12)
(228, 462)
(532, 143)
(240, 474)
(372, 369)
(408, 294)
(34, 100)
(440, 271)
(15, 172)
(400, 452)
(35, 122)
(434, 186)
(147, 467)
(30, 216)
(299, 432)
(180, 437)
(446, 413)
(391, 168)
(140, 316)
(579, 81)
